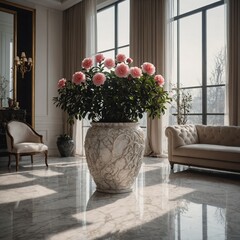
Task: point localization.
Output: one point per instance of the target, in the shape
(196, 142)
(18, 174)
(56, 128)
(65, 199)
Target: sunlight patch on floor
(24, 193)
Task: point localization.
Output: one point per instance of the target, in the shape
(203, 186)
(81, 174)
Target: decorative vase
(114, 153)
(65, 147)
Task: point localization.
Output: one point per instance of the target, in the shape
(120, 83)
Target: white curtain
(79, 41)
(148, 43)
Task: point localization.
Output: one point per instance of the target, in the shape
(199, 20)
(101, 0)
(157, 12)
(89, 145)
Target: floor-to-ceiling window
(199, 59)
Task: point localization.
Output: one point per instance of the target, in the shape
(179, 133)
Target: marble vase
(114, 153)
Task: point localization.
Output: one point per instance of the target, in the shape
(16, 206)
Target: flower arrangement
(112, 91)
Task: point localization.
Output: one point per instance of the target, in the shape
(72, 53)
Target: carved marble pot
(114, 153)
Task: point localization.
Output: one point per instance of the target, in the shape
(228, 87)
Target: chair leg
(9, 160)
(31, 158)
(46, 156)
(17, 160)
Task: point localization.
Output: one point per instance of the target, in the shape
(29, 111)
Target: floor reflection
(61, 202)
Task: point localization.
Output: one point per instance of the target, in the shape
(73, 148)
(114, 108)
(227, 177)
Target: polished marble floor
(61, 203)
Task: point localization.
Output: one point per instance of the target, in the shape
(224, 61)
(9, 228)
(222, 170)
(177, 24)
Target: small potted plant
(65, 145)
(183, 105)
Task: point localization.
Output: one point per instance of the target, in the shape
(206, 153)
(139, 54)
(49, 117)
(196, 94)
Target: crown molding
(54, 4)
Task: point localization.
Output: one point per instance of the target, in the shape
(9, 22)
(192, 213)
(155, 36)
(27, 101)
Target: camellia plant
(112, 91)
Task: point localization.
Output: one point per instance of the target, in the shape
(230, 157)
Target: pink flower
(136, 72)
(122, 70)
(120, 57)
(109, 63)
(129, 60)
(99, 79)
(87, 63)
(78, 77)
(160, 80)
(62, 83)
(148, 68)
(99, 57)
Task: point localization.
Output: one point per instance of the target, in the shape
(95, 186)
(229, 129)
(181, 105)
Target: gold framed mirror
(23, 92)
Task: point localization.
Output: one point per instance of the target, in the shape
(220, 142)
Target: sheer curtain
(79, 41)
(148, 44)
(233, 49)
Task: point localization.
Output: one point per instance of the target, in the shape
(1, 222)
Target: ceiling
(55, 4)
(58, 4)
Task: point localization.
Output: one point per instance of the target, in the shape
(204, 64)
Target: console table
(7, 115)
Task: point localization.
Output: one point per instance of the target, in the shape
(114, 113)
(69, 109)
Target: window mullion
(178, 62)
(178, 52)
(204, 68)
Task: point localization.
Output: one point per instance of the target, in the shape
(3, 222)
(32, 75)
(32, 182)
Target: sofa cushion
(219, 135)
(182, 135)
(209, 151)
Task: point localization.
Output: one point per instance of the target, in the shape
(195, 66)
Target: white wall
(48, 118)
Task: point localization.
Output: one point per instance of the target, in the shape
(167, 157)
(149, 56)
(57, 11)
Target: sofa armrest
(180, 135)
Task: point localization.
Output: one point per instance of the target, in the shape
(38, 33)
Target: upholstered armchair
(22, 140)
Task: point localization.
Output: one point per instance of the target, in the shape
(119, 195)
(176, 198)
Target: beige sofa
(215, 147)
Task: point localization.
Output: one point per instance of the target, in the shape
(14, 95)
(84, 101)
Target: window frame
(203, 11)
(116, 47)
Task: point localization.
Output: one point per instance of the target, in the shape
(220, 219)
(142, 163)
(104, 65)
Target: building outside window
(199, 58)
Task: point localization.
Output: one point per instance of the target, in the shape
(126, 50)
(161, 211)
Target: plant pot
(114, 153)
(65, 147)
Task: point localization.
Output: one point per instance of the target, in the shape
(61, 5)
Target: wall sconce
(23, 64)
